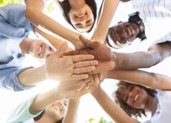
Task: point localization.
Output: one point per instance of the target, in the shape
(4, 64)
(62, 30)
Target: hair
(128, 109)
(40, 116)
(125, 0)
(66, 8)
(133, 18)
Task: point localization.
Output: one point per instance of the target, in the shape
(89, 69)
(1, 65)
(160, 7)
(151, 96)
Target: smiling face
(123, 33)
(135, 96)
(56, 110)
(82, 18)
(39, 49)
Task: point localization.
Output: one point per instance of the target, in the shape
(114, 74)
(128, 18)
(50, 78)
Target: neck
(24, 45)
(77, 4)
(45, 119)
(149, 103)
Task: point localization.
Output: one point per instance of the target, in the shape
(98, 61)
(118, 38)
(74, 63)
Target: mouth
(135, 98)
(41, 50)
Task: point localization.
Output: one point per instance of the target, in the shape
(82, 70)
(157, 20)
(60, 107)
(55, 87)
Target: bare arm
(153, 80)
(60, 68)
(72, 111)
(116, 113)
(54, 41)
(34, 11)
(108, 10)
(155, 54)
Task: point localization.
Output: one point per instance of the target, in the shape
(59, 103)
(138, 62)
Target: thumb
(62, 48)
(86, 42)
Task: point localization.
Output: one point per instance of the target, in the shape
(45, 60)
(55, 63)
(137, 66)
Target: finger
(86, 42)
(84, 70)
(63, 47)
(82, 85)
(71, 53)
(79, 77)
(86, 63)
(78, 58)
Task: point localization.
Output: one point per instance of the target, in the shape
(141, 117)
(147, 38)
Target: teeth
(136, 97)
(40, 49)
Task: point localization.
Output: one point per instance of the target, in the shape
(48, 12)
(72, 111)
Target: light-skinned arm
(34, 11)
(58, 67)
(72, 112)
(111, 108)
(108, 10)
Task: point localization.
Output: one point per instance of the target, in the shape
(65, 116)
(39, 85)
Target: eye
(78, 25)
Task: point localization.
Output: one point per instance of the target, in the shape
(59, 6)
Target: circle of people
(82, 68)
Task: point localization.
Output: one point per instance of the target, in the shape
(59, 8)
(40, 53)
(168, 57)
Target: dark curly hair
(66, 8)
(128, 109)
(41, 114)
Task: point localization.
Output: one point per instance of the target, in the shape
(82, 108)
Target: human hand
(75, 67)
(101, 53)
(75, 89)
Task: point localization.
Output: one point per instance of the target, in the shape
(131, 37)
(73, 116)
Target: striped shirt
(156, 15)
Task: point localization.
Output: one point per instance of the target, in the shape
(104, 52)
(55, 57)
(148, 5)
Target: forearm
(32, 76)
(72, 111)
(155, 54)
(113, 110)
(152, 80)
(46, 22)
(105, 19)
(136, 60)
(54, 41)
(42, 100)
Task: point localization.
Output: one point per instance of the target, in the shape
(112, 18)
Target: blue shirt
(14, 27)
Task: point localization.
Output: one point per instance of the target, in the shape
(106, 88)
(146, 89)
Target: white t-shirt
(21, 113)
(163, 112)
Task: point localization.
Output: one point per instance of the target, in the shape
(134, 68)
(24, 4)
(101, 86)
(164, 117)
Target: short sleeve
(21, 112)
(9, 79)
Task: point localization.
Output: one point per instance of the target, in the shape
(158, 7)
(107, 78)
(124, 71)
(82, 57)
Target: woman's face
(39, 49)
(82, 18)
(124, 33)
(56, 110)
(135, 96)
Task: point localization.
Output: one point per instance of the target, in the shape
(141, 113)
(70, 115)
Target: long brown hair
(128, 109)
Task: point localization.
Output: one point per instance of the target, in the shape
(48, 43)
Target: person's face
(39, 49)
(82, 18)
(124, 33)
(135, 97)
(56, 110)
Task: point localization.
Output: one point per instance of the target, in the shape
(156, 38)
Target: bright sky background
(88, 106)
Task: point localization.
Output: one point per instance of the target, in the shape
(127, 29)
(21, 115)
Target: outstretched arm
(113, 110)
(108, 9)
(152, 80)
(34, 11)
(71, 116)
(53, 40)
(155, 54)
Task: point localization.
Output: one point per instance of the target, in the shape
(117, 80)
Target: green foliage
(5, 2)
(101, 120)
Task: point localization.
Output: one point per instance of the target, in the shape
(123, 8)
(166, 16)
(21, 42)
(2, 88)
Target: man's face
(39, 49)
(135, 96)
(123, 33)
